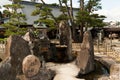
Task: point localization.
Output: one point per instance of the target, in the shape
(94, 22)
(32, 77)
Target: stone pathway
(67, 71)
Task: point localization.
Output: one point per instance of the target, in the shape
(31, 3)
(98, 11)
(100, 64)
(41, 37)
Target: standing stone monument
(85, 59)
(16, 48)
(41, 43)
(66, 37)
(7, 72)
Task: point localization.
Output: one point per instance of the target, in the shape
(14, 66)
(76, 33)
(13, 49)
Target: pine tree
(16, 18)
(86, 18)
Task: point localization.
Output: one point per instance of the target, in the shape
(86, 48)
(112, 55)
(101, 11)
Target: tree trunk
(81, 5)
(71, 10)
(82, 23)
(61, 7)
(73, 24)
(81, 32)
(51, 13)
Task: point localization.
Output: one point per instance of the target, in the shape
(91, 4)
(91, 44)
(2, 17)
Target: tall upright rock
(16, 48)
(66, 37)
(6, 70)
(85, 59)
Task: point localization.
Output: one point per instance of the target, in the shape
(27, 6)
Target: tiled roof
(29, 7)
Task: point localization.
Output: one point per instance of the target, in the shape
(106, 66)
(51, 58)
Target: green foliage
(15, 19)
(36, 12)
(97, 20)
(3, 39)
(87, 15)
(93, 5)
(48, 22)
(15, 1)
(53, 4)
(12, 30)
(42, 11)
(64, 1)
(44, 15)
(1, 15)
(6, 13)
(93, 20)
(63, 9)
(62, 17)
(82, 17)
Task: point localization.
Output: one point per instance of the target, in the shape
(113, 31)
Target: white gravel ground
(67, 71)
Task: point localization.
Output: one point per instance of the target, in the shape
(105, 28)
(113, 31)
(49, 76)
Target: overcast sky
(110, 8)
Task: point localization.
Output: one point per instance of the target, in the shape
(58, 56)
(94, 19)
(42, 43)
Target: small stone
(31, 65)
(6, 70)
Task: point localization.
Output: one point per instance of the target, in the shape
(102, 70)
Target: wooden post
(106, 48)
(98, 45)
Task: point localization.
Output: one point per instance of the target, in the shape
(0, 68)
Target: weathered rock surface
(66, 38)
(41, 47)
(115, 69)
(112, 66)
(115, 72)
(31, 65)
(29, 37)
(16, 48)
(33, 71)
(0, 59)
(44, 74)
(6, 70)
(85, 59)
(103, 78)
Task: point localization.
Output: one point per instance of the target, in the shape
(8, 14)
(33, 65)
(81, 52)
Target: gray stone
(29, 37)
(0, 59)
(32, 70)
(66, 38)
(107, 62)
(31, 65)
(85, 59)
(44, 74)
(115, 69)
(42, 48)
(103, 78)
(16, 48)
(6, 71)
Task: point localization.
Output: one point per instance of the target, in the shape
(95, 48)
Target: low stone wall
(112, 66)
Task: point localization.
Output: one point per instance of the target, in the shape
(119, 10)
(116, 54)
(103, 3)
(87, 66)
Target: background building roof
(29, 7)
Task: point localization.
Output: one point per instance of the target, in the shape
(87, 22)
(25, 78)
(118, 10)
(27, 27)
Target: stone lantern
(42, 29)
(42, 42)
